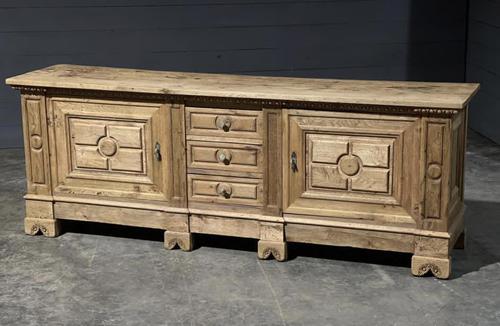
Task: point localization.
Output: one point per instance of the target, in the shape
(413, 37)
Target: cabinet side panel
(36, 144)
(457, 157)
(436, 147)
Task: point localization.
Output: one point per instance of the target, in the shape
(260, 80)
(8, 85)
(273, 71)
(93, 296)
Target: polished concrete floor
(98, 274)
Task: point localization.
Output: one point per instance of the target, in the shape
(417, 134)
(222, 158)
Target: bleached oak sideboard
(369, 164)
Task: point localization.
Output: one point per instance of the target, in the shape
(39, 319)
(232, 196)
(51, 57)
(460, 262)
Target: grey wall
(483, 66)
(365, 39)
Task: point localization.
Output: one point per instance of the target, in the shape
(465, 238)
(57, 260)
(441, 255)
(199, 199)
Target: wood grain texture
(39, 209)
(435, 95)
(122, 216)
(349, 237)
(218, 225)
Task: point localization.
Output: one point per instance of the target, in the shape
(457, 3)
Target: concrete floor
(97, 274)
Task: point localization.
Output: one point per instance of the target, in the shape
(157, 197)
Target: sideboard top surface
(397, 93)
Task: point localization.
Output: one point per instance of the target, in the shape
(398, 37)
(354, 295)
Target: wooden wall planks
(483, 66)
(358, 39)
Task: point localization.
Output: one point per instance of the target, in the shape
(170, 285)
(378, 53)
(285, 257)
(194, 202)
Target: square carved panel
(350, 164)
(112, 146)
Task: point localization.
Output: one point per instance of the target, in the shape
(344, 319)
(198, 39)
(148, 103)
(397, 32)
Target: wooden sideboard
(368, 164)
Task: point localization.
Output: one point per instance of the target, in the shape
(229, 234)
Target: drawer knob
(223, 156)
(224, 123)
(224, 190)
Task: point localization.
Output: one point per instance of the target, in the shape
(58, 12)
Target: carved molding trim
(107, 94)
(30, 90)
(268, 103)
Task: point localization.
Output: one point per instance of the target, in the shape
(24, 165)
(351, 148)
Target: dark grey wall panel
(363, 39)
(483, 66)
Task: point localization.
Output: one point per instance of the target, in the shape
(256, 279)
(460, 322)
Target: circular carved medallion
(349, 165)
(107, 146)
(36, 142)
(434, 171)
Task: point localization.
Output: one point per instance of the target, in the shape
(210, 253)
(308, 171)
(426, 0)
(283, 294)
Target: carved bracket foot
(439, 267)
(183, 240)
(278, 249)
(48, 227)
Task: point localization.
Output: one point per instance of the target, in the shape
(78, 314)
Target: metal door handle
(293, 162)
(157, 152)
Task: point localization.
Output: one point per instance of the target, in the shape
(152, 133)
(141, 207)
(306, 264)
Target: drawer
(224, 122)
(224, 156)
(218, 189)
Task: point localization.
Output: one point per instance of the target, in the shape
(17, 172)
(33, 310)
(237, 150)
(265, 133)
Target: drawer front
(224, 190)
(224, 122)
(224, 156)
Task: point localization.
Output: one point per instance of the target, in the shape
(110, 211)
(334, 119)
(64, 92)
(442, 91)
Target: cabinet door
(118, 149)
(355, 166)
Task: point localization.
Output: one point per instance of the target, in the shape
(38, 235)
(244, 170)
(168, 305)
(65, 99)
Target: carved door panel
(355, 166)
(118, 149)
